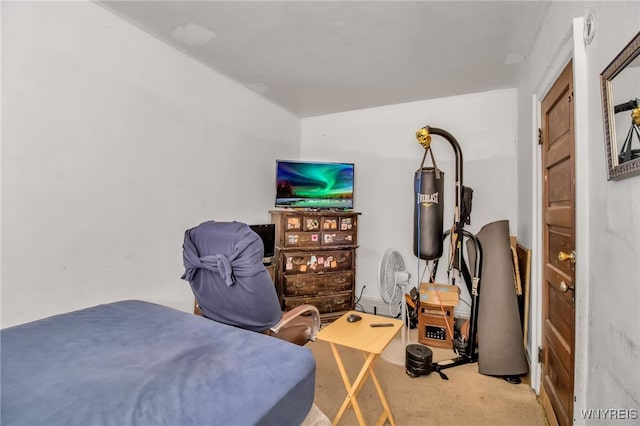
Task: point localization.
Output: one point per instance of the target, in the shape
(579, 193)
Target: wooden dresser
(315, 260)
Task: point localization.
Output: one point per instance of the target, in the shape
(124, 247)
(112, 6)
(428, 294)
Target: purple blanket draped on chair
(223, 264)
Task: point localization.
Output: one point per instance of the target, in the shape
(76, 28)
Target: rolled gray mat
(500, 348)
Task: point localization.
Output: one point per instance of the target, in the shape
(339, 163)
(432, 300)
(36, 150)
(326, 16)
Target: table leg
(386, 413)
(352, 389)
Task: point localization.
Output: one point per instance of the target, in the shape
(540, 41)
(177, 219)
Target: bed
(138, 363)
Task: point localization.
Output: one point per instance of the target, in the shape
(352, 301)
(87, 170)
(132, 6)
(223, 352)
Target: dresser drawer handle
(339, 301)
(299, 284)
(341, 259)
(340, 280)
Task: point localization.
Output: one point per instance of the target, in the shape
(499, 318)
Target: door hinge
(539, 136)
(540, 353)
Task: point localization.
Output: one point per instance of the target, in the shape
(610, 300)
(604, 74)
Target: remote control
(382, 324)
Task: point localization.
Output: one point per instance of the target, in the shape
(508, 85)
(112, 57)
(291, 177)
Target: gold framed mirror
(620, 87)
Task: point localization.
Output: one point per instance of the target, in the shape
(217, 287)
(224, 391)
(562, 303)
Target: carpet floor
(467, 398)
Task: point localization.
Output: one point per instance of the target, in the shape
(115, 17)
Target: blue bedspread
(137, 363)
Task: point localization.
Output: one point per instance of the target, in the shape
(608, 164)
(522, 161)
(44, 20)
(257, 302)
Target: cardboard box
(439, 294)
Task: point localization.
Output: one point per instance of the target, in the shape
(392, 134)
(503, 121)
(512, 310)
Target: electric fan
(392, 281)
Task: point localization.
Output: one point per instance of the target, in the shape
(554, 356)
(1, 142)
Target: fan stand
(390, 264)
(395, 352)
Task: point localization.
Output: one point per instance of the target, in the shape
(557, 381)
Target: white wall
(113, 144)
(382, 144)
(608, 337)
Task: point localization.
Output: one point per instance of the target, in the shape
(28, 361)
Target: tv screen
(314, 185)
(267, 234)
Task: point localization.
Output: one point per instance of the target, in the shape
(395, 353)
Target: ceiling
(319, 57)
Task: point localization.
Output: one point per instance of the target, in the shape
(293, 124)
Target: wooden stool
(435, 325)
(435, 314)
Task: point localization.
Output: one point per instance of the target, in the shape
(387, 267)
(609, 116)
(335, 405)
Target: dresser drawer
(331, 303)
(338, 223)
(301, 239)
(310, 284)
(314, 262)
(311, 223)
(293, 223)
(339, 238)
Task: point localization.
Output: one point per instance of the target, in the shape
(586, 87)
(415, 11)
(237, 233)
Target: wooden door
(558, 286)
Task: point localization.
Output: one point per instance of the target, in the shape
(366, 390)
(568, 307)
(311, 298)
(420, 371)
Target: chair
(223, 265)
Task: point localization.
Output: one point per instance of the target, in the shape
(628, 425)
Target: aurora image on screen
(314, 185)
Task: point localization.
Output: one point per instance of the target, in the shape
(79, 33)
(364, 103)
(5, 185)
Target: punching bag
(428, 211)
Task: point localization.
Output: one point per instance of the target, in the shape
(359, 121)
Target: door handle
(562, 256)
(564, 287)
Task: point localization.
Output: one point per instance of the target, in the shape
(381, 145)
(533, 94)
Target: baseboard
(378, 307)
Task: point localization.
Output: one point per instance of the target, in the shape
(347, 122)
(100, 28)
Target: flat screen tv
(314, 185)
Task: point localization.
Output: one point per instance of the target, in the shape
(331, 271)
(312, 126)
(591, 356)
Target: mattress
(138, 363)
